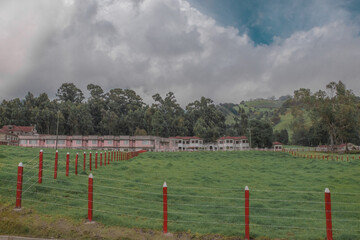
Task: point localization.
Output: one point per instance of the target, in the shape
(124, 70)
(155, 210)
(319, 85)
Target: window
(221, 142)
(94, 142)
(145, 142)
(33, 142)
(192, 141)
(196, 141)
(110, 142)
(23, 141)
(227, 141)
(78, 142)
(187, 142)
(50, 141)
(126, 142)
(61, 142)
(237, 142)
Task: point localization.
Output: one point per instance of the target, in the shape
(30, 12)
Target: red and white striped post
(90, 160)
(40, 166)
(19, 185)
(96, 160)
(165, 207)
(67, 163)
(76, 163)
(90, 197)
(108, 158)
(105, 158)
(84, 161)
(247, 230)
(117, 155)
(328, 215)
(100, 159)
(112, 155)
(56, 164)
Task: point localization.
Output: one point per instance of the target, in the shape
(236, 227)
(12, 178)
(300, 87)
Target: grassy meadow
(205, 192)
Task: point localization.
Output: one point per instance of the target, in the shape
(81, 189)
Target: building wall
(130, 143)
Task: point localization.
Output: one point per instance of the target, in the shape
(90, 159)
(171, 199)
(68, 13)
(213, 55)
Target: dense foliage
(117, 112)
(334, 114)
(325, 117)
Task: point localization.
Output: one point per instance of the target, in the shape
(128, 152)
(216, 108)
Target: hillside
(257, 109)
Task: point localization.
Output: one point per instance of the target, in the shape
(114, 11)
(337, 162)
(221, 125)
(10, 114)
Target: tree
(69, 92)
(170, 114)
(205, 120)
(261, 133)
(96, 103)
(281, 136)
(337, 109)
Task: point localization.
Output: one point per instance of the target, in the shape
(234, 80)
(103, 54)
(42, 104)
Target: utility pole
(250, 136)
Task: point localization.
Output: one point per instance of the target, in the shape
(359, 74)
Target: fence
(322, 156)
(231, 210)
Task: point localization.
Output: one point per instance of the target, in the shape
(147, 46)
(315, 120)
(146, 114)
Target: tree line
(116, 112)
(334, 116)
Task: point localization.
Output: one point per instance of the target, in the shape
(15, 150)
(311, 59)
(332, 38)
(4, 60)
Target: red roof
(15, 128)
(277, 143)
(186, 138)
(234, 138)
(3, 131)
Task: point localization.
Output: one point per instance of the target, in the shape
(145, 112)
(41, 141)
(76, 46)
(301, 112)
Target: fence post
(112, 155)
(96, 160)
(67, 163)
(56, 164)
(84, 161)
(100, 159)
(40, 166)
(76, 163)
(247, 230)
(117, 155)
(165, 207)
(105, 158)
(328, 215)
(90, 160)
(108, 158)
(90, 198)
(19, 185)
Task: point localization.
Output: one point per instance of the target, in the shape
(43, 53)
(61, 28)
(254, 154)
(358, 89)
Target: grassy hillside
(257, 109)
(205, 192)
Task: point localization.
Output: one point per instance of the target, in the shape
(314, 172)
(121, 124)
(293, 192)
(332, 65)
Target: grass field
(205, 192)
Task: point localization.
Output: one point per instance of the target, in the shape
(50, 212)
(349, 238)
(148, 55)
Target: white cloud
(156, 46)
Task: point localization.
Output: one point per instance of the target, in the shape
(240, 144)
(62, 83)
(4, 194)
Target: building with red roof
(188, 143)
(7, 138)
(277, 146)
(19, 130)
(228, 143)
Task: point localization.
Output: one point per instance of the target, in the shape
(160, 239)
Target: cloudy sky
(227, 50)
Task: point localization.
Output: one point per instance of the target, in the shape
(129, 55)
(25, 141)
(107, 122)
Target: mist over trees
(334, 115)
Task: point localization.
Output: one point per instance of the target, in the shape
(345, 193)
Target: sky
(226, 50)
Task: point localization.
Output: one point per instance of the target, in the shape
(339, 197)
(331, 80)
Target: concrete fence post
(165, 209)
(40, 166)
(56, 164)
(19, 186)
(247, 230)
(328, 215)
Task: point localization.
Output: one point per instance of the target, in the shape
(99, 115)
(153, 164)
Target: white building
(233, 143)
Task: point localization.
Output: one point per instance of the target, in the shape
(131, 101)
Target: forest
(334, 115)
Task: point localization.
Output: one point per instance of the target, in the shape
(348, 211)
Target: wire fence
(126, 202)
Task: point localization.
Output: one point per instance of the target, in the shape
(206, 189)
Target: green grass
(205, 192)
